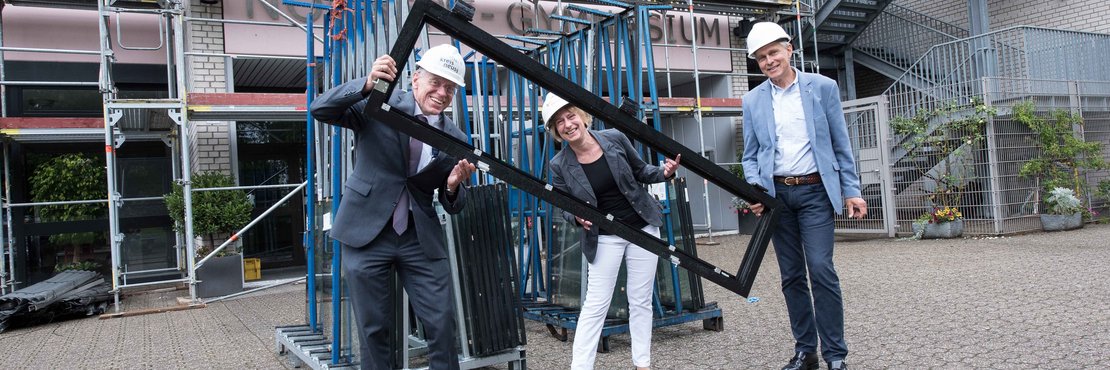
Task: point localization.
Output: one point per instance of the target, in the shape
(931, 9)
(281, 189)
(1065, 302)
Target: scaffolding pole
(7, 277)
(107, 88)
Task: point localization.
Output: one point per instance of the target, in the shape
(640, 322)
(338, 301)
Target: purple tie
(401, 213)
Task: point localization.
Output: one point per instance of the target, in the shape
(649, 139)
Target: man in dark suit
(796, 145)
(386, 218)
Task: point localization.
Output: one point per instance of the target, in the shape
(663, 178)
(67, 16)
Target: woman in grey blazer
(603, 169)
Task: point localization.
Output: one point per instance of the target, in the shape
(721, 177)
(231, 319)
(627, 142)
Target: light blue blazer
(828, 137)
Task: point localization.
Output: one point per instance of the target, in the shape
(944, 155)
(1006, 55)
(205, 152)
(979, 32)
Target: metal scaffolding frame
(117, 127)
(490, 134)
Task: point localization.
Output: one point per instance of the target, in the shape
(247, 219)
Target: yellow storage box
(252, 269)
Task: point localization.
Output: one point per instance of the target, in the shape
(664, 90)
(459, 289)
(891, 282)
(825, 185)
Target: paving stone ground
(1030, 301)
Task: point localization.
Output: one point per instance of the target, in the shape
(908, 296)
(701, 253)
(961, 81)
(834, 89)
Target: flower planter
(945, 230)
(746, 222)
(220, 276)
(1061, 222)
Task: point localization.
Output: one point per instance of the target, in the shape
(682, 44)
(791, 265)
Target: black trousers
(427, 282)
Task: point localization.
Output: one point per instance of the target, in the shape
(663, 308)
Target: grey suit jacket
(371, 192)
(629, 171)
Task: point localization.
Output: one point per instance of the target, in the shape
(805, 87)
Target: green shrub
(214, 212)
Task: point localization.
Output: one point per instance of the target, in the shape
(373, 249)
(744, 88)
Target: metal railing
(995, 198)
(1013, 53)
(900, 36)
(1055, 69)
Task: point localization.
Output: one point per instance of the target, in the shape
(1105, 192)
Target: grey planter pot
(747, 222)
(945, 230)
(1061, 222)
(220, 276)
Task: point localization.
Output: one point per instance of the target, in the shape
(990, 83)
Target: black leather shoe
(837, 365)
(802, 361)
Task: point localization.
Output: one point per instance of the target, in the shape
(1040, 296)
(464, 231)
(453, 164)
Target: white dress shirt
(793, 154)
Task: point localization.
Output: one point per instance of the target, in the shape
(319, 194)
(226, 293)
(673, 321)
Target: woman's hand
(671, 166)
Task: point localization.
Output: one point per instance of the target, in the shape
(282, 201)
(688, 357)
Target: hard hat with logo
(444, 61)
(552, 103)
(764, 33)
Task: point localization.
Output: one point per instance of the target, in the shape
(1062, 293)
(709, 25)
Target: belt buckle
(788, 178)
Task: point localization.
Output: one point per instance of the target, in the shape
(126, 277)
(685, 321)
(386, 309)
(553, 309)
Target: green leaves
(1064, 153)
(215, 211)
(1062, 201)
(73, 176)
(67, 177)
(943, 138)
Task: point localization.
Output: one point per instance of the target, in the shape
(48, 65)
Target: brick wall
(210, 149)
(739, 83)
(870, 83)
(950, 11)
(208, 72)
(1076, 15)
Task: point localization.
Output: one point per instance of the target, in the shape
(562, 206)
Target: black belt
(813, 178)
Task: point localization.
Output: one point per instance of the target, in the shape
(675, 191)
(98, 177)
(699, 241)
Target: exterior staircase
(895, 40)
(840, 22)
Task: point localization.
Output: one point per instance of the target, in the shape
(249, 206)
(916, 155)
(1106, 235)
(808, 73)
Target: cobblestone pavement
(1031, 301)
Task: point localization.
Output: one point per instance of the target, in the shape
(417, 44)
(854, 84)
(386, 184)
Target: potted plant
(941, 223)
(941, 143)
(1063, 210)
(1063, 161)
(745, 218)
(215, 215)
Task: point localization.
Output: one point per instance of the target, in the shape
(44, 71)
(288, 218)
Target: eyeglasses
(437, 82)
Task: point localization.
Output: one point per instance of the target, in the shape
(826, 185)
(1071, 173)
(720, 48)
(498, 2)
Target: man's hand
(757, 208)
(857, 207)
(384, 68)
(460, 173)
(584, 222)
(670, 166)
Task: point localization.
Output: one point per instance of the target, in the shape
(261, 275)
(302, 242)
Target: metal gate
(869, 130)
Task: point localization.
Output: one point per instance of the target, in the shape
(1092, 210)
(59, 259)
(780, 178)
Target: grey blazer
(370, 193)
(629, 171)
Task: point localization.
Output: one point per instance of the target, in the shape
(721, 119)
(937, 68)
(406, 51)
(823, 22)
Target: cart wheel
(560, 334)
(714, 324)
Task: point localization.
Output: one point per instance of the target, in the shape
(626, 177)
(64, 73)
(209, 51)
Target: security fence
(967, 152)
(945, 135)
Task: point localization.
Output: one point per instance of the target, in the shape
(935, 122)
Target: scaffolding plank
(15, 123)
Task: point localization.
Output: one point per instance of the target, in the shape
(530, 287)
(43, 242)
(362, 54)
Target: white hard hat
(764, 33)
(552, 103)
(444, 61)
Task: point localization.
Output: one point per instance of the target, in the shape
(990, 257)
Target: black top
(609, 197)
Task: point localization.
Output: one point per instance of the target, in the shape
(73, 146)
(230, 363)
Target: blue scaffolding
(609, 54)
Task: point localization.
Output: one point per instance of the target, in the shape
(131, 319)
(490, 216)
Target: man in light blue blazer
(796, 146)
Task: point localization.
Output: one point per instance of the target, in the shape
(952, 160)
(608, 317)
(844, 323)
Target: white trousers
(601, 278)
